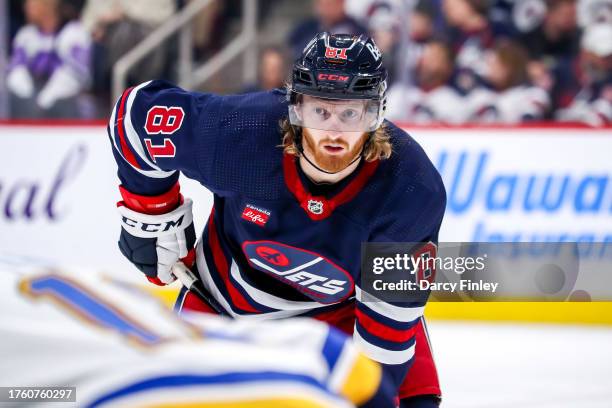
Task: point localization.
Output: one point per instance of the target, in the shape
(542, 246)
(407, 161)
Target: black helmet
(340, 66)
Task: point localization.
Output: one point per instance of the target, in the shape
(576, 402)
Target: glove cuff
(152, 205)
(154, 226)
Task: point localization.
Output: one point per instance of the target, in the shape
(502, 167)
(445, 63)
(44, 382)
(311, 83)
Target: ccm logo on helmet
(332, 77)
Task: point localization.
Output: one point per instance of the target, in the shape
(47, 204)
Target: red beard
(329, 162)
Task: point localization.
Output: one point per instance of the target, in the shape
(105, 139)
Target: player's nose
(334, 124)
(334, 130)
(334, 134)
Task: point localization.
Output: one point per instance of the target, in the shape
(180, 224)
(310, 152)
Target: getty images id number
(37, 394)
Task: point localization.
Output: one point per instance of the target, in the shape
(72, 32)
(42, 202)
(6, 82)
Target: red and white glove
(157, 232)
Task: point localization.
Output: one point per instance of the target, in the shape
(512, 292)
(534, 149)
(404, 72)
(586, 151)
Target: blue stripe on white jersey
(176, 383)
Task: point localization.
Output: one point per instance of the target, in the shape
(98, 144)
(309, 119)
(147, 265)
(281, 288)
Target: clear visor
(344, 115)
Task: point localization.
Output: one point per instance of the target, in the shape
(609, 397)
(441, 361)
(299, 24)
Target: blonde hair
(378, 148)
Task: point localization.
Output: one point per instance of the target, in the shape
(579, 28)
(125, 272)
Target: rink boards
(58, 193)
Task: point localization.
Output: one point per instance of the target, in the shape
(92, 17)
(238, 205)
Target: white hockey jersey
(412, 104)
(120, 347)
(514, 105)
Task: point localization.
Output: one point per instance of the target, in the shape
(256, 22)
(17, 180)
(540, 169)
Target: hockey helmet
(338, 83)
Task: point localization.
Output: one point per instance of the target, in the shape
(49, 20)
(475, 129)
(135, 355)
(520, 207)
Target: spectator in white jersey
(506, 96)
(50, 62)
(593, 102)
(432, 98)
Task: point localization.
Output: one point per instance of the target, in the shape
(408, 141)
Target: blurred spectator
(557, 35)
(593, 12)
(507, 97)
(329, 16)
(383, 26)
(502, 11)
(272, 70)
(420, 30)
(361, 10)
(206, 29)
(519, 16)
(552, 45)
(50, 63)
(117, 26)
(421, 21)
(433, 99)
(593, 103)
(470, 34)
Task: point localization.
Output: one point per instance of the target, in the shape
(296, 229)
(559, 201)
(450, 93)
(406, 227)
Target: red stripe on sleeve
(125, 149)
(380, 330)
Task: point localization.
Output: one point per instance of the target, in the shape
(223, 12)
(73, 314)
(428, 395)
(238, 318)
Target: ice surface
(497, 365)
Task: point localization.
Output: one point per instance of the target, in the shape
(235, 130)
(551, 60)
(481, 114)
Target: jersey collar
(320, 207)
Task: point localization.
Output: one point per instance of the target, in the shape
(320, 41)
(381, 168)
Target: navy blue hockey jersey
(276, 245)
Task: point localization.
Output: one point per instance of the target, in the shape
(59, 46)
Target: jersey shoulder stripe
(125, 150)
(126, 138)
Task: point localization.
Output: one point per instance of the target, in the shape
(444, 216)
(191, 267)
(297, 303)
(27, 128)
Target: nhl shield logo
(315, 207)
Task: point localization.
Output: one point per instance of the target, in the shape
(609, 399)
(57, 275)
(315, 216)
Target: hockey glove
(155, 241)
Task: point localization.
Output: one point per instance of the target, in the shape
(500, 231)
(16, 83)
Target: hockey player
(292, 202)
(120, 347)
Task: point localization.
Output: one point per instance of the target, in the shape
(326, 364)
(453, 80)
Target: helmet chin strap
(298, 131)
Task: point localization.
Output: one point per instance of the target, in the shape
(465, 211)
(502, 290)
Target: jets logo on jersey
(256, 215)
(272, 256)
(315, 206)
(310, 273)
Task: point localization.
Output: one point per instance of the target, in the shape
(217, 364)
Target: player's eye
(321, 112)
(350, 114)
